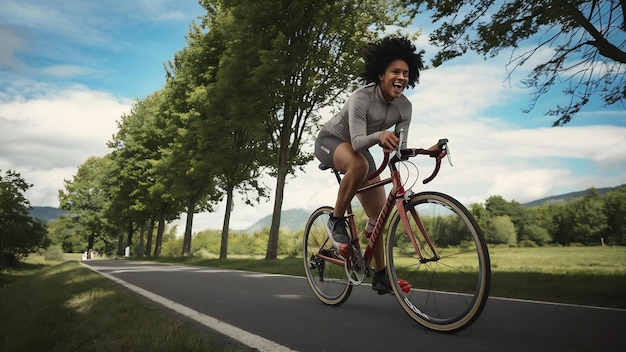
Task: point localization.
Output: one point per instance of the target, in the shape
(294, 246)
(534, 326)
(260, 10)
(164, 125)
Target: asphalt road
(275, 312)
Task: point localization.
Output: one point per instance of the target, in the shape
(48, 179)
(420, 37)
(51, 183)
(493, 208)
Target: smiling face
(394, 79)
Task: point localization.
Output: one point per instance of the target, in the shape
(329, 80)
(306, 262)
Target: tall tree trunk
(129, 234)
(282, 167)
(160, 230)
(272, 245)
(191, 206)
(90, 241)
(149, 240)
(140, 247)
(120, 245)
(226, 224)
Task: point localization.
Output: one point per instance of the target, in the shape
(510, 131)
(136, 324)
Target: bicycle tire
(446, 294)
(328, 281)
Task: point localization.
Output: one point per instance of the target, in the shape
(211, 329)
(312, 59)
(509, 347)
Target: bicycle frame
(396, 197)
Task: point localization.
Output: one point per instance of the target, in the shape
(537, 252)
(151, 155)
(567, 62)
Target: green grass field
(579, 275)
(560, 260)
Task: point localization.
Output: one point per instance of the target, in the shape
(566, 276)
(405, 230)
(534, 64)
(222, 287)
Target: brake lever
(398, 151)
(444, 150)
(443, 146)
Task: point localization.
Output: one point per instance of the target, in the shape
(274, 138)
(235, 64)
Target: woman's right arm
(357, 121)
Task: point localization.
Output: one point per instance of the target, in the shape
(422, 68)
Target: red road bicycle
(436, 256)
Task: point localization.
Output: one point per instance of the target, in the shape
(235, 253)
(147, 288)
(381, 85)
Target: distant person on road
(391, 64)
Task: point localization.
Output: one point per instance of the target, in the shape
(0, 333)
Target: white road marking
(245, 337)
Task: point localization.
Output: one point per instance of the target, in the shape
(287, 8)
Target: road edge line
(247, 338)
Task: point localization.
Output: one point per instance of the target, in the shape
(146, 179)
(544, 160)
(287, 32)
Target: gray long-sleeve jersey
(366, 114)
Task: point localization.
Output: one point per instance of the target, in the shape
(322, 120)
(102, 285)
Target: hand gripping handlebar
(438, 154)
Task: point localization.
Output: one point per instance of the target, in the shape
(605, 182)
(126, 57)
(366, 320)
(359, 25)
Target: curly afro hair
(382, 52)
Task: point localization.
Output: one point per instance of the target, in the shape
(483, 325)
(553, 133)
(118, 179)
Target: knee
(360, 167)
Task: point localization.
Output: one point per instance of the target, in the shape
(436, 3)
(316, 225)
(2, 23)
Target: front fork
(401, 205)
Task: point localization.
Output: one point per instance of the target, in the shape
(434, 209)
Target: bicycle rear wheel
(449, 291)
(328, 280)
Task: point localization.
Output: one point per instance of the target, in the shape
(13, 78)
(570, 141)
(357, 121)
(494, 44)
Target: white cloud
(47, 137)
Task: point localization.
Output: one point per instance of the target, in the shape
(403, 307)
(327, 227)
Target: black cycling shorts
(325, 146)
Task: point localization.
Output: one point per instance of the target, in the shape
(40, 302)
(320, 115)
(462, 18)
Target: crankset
(355, 267)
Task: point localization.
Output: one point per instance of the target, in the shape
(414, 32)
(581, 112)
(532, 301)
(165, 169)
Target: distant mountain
(564, 198)
(292, 219)
(46, 214)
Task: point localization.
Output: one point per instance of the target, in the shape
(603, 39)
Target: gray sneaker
(338, 234)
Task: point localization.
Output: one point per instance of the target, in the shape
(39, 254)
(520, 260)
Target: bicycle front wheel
(327, 279)
(449, 285)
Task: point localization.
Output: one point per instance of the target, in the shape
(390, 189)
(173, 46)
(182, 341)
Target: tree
(223, 140)
(564, 223)
(86, 199)
(585, 39)
(480, 214)
(534, 234)
(539, 224)
(130, 175)
(590, 221)
(500, 230)
(615, 210)
(20, 234)
(295, 57)
(143, 178)
(66, 233)
(497, 206)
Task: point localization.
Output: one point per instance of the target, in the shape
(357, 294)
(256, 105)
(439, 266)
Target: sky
(70, 69)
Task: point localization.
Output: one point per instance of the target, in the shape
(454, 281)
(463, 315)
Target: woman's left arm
(405, 109)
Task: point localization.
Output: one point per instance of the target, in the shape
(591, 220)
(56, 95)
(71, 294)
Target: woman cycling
(391, 64)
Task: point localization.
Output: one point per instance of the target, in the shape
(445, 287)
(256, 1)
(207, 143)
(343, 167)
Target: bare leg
(355, 167)
(373, 202)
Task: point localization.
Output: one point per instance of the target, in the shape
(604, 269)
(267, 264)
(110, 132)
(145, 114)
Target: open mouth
(398, 86)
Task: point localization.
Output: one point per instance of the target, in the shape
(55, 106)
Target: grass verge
(66, 307)
(594, 276)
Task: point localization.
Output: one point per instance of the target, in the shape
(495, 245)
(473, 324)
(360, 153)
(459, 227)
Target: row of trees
(591, 220)
(240, 99)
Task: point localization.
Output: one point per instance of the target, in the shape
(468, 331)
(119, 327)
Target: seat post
(337, 175)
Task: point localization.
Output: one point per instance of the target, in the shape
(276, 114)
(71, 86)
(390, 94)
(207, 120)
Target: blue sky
(70, 69)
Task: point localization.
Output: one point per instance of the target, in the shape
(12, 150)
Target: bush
(500, 230)
(54, 254)
(536, 234)
(527, 243)
(203, 253)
